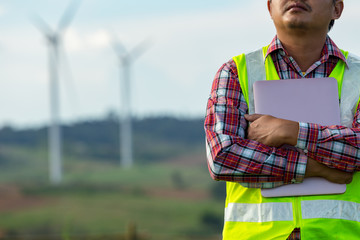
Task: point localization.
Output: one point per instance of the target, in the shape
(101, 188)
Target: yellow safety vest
(248, 215)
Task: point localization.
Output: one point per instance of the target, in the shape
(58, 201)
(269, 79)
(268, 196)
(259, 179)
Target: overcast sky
(191, 40)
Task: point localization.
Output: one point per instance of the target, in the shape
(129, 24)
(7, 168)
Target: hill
(154, 139)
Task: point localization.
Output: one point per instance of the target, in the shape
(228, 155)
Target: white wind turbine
(126, 59)
(53, 38)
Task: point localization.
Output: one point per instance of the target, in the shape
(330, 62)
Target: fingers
(338, 176)
(252, 117)
(316, 169)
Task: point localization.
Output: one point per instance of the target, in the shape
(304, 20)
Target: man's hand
(275, 132)
(272, 131)
(316, 169)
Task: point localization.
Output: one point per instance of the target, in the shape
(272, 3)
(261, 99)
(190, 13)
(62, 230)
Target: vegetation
(155, 139)
(168, 194)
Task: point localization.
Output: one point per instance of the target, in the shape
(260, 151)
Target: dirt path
(12, 199)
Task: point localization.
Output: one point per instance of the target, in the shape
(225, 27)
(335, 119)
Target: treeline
(154, 139)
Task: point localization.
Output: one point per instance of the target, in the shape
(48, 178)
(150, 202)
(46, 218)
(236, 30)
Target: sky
(190, 40)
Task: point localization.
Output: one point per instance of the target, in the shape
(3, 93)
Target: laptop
(313, 100)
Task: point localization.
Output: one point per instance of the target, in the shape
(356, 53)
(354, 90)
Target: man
(245, 149)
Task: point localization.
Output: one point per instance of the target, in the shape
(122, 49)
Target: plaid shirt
(232, 157)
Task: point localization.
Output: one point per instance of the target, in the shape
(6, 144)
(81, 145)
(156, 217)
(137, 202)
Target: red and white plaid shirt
(234, 158)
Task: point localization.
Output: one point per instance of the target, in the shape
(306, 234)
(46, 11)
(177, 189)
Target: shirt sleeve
(335, 146)
(232, 157)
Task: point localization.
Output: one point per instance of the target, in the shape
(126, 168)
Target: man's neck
(304, 48)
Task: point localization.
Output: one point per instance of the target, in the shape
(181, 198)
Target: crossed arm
(246, 149)
(275, 132)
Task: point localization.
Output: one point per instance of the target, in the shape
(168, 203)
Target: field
(173, 199)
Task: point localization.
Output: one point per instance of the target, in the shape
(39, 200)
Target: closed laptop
(313, 100)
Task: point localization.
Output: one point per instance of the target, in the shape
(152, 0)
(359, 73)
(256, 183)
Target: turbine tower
(53, 38)
(126, 59)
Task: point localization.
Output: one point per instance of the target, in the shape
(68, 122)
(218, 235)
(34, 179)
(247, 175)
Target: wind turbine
(126, 59)
(53, 38)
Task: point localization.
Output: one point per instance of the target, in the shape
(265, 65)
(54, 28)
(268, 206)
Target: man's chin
(296, 24)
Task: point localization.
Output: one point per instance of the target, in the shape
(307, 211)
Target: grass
(101, 199)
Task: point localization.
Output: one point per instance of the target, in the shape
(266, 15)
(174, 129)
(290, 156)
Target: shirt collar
(330, 49)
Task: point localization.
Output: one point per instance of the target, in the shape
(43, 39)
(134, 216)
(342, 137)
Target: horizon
(108, 116)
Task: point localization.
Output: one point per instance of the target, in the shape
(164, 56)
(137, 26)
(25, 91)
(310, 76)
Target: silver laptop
(313, 100)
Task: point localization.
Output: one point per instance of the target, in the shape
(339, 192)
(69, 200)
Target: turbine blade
(68, 15)
(139, 49)
(117, 45)
(41, 25)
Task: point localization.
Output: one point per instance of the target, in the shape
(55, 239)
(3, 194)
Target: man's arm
(234, 157)
(316, 169)
(277, 132)
(335, 146)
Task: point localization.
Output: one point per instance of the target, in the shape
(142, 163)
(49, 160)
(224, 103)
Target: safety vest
(248, 215)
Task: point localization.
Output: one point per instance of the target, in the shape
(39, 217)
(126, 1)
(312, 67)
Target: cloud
(99, 39)
(79, 41)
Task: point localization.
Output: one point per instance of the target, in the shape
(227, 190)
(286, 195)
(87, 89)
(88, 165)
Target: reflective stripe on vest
(263, 212)
(331, 209)
(282, 211)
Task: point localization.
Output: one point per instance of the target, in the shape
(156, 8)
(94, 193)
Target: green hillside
(168, 194)
(154, 139)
